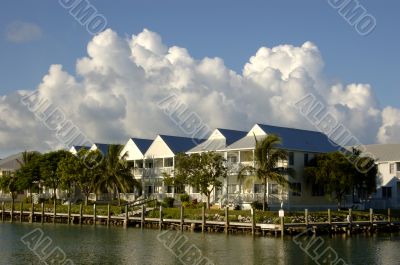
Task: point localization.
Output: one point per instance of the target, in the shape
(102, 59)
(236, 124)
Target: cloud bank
(117, 86)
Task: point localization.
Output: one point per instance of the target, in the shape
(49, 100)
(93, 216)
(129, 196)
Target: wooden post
(226, 220)
(371, 216)
(126, 217)
(282, 226)
(329, 217)
(69, 213)
(42, 217)
(142, 223)
(21, 212)
(350, 221)
(161, 217)
(306, 217)
(108, 215)
(389, 216)
(32, 212)
(54, 212)
(203, 218)
(12, 211)
(182, 219)
(253, 221)
(2, 211)
(80, 214)
(94, 213)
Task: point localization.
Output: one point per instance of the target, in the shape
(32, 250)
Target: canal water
(63, 244)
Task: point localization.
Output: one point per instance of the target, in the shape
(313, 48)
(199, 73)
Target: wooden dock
(203, 225)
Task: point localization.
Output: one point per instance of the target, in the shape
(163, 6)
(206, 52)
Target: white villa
(238, 149)
(388, 188)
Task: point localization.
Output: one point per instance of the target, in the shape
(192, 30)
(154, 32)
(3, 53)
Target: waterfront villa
(388, 189)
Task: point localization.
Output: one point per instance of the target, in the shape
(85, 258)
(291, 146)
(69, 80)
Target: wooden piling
(2, 211)
(282, 226)
(69, 213)
(226, 220)
(371, 216)
(253, 221)
(94, 213)
(329, 217)
(42, 214)
(126, 217)
(12, 211)
(350, 221)
(21, 212)
(54, 211)
(389, 216)
(108, 215)
(80, 214)
(161, 217)
(143, 217)
(203, 218)
(32, 212)
(306, 217)
(182, 219)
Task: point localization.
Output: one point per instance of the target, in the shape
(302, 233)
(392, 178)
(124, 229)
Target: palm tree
(117, 173)
(267, 155)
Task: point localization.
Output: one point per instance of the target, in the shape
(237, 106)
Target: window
(150, 189)
(391, 168)
(317, 190)
(386, 192)
(398, 166)
(232, 159)
(168, 162)
(170, 189)
(296, 189)
(305, 159)
(274, 188)
(232, 188)
(257, 188)
(291, 158)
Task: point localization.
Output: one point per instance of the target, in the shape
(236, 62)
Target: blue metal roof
(231, 136)
(142, 144)
(103, 148)
(79, 147)
(179, 144)
(304, 140)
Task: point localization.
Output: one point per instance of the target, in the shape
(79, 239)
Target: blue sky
(232, 30)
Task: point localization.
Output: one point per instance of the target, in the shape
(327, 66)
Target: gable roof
(292, 139)
(12, 162)
(142, 144)
(103, 148)
(384, 152)
(214, 144)
(179, 144)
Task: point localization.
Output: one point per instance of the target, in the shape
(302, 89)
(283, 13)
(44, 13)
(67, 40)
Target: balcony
(155, 172)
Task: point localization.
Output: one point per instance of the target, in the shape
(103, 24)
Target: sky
(246, 61)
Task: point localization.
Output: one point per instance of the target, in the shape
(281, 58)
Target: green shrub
(184, 198)
(257, 205)
(169, 202)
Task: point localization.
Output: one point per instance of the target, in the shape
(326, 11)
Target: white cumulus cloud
(118, 85)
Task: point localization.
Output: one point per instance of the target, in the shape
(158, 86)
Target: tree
(267, 155)
(9, 183)
(201, 171)
(338, 176)
(117, 173)
(75, 170)
(28, 174)
(49, 164)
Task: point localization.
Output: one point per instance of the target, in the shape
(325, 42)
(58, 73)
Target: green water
(101, 245)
